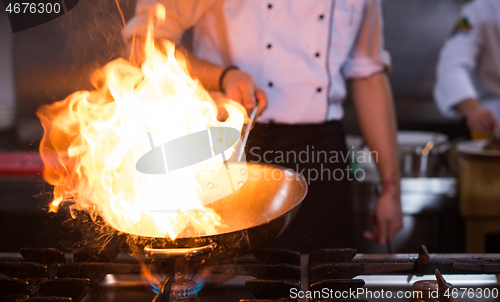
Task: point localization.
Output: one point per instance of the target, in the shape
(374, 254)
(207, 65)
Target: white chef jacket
(299, 51)
(469, 63)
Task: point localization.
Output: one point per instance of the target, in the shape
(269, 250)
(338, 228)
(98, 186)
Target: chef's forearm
(374, 105)
(207, 72)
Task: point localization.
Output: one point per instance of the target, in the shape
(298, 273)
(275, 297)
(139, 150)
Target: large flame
(93, 140)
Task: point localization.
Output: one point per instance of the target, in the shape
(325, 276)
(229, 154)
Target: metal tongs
(245, 131)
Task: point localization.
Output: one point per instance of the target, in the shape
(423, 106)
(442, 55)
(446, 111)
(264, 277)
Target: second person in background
(468, 72)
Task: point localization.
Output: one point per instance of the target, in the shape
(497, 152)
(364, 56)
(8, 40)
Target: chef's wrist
(391, 186)
(469, 107)
(223, 76)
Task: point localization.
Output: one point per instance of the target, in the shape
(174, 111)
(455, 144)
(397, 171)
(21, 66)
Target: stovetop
(267, 275)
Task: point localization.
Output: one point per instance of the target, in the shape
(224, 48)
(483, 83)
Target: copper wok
(252, 217)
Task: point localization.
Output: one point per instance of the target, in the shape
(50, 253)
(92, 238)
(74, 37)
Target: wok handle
(179, 252)
(245, 131)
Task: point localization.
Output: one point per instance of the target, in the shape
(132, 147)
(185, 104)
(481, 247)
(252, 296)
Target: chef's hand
(479, 119)
(240, 87)
(482, 121)
(387, 217)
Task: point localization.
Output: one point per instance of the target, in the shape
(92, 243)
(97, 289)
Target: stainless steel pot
(414, 164)
(420, 153)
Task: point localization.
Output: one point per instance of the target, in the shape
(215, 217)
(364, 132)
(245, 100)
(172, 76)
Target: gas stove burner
(432, 290)
(184, 290)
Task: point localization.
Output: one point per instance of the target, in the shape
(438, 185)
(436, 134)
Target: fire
(93, 140)
(157, 276)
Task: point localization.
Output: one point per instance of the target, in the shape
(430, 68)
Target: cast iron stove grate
(46, 274)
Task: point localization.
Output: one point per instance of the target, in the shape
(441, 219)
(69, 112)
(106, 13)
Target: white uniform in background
(469, 63)
(299, 52)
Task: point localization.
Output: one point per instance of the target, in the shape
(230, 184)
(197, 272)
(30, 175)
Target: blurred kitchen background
(47, 63)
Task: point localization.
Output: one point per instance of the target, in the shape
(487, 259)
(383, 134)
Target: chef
(299, 59)
(468, 72)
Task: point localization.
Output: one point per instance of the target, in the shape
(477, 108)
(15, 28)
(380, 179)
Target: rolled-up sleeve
(457, 60)
(180, 15)
(368, 55)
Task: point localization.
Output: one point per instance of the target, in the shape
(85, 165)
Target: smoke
(93, 34)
